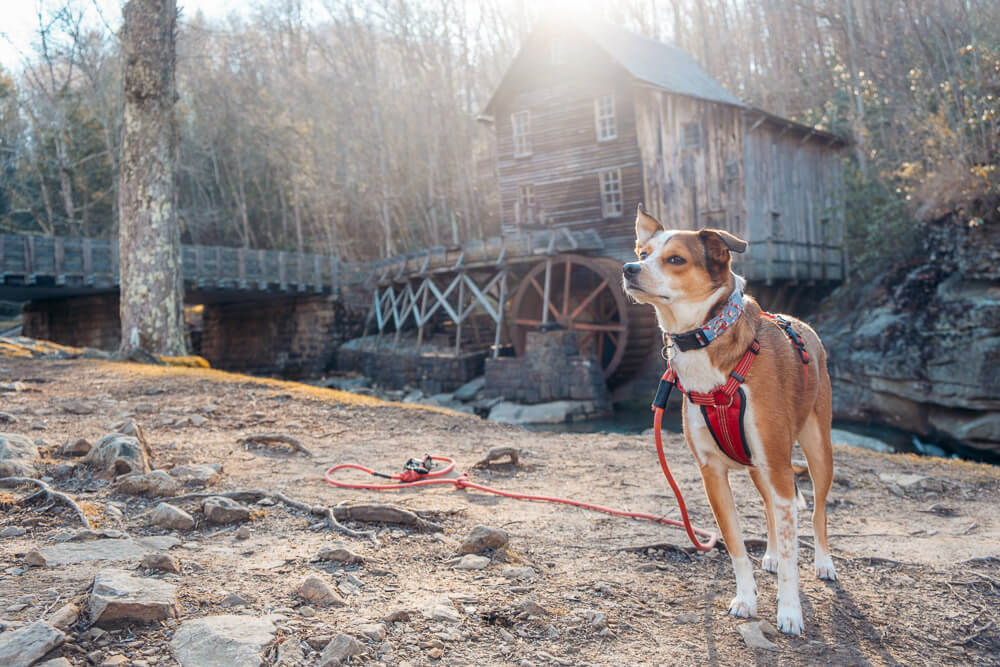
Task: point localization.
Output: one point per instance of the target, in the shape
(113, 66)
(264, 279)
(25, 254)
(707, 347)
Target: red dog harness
(724, 408)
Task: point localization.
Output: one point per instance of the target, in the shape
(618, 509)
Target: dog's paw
(769, 563)
(742, 607)
(825, 569)
(790, 619)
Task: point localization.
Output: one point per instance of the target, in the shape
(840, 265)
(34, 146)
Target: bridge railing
(27, 259)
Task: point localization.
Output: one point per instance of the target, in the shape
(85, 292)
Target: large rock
(76, 447)
(339, 650)
(117, 597)
(17, 456)
(317, 591)
(156, 484)
(172, 518)
(222, 510)
(224, 641)
(116, 454)
(556, 412)
(72, 553)
(197, 474)
(482, 538)
(916, 345)
(27, 645)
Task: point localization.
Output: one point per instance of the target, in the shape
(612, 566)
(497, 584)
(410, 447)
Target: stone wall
(292, 337)
(431, 369)
(552, 369)
(82, 321)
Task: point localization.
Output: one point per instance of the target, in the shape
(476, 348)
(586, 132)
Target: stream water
(636, 417)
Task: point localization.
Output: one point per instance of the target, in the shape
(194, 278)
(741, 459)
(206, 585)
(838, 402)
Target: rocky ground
(164, 577)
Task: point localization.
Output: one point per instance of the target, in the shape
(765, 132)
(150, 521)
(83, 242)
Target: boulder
(482, 538)
(26, 645)
(167, 516)
(116, 454)
(155, 484)
(556, 412)
(58, 555)
(470, 389)
(117, 597)
(222, 510)
(317, 591)
(64, 616)
(230, 640)
(164, 562)
(76, 447)
(472, 562)
(17, 456)
(197, 474)
(340, 649)
(374, 632)
(340, 555)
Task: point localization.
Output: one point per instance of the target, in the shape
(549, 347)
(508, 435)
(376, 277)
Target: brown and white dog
(687, 277)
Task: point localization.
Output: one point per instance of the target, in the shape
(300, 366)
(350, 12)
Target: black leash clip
(421, 467)
(662, 394)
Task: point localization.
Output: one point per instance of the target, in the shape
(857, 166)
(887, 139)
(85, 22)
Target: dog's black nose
(631, 270)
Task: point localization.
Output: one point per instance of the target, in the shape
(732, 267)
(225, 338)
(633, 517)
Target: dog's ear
(718, 245)
(645, 225)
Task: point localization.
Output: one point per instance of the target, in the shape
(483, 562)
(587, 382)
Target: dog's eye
(676, 260)
(643, 255)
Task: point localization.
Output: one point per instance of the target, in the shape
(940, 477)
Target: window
(520, 122)
(604, 118)
(611, 193)
(691, 135)
(557, 52)
(524, 210)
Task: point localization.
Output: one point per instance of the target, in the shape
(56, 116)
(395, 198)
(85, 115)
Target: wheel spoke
(590, 326)
(588, 299)
(566, 284)
(527, 323)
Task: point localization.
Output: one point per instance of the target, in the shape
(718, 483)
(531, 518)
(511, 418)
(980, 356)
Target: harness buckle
(723, 399)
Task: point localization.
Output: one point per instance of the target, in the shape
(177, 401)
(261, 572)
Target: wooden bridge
(483, 295)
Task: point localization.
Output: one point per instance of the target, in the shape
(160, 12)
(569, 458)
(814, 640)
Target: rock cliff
(918, 345)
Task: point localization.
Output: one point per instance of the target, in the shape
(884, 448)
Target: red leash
(418, 473)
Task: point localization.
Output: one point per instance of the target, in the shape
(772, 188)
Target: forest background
(352, 128)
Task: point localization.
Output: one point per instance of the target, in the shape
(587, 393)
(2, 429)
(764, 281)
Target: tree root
(274, 439)
(367, 513)
(48, 492)
(498, 453)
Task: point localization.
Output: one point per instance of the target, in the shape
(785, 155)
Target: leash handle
(712, 537)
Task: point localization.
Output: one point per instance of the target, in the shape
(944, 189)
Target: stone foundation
(428, 368)
(552, 369)
(295, 337)
(81, 321)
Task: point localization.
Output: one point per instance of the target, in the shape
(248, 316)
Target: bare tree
(149, 237)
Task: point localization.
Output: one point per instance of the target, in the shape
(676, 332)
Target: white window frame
(611, 192)
(525, 207)
(520, 126)
(605, 123)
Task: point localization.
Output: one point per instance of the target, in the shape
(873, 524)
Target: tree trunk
(152, 294)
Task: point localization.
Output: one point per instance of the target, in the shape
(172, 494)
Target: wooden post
(241, 266)
(769, 267)
(460, 318)
(60, 255)
(423, 313)
(547, 292)
(500, 310)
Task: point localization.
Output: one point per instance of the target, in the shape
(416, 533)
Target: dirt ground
(916, 541)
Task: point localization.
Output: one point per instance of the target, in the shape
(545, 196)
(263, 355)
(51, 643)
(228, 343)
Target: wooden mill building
(590, 120)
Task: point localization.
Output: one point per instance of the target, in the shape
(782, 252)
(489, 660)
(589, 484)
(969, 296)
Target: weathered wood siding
(794, 205)
(566, 157)
(691, 186)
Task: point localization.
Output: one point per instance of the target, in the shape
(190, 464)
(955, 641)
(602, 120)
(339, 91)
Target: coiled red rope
(410, 478)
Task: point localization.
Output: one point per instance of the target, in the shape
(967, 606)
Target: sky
(19, 20)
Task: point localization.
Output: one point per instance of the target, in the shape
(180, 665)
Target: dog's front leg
(720, 496)
(786, 534)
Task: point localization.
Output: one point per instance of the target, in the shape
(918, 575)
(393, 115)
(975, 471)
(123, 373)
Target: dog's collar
(709, 331)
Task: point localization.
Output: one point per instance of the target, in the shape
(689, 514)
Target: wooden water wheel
(585, 296)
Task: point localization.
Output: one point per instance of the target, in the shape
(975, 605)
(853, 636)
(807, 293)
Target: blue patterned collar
(715, 327)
